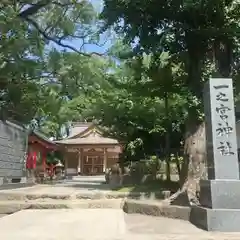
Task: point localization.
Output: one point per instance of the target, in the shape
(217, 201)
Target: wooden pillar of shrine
(65, 165)
(79, 161)
(44, 159)
(104, 159)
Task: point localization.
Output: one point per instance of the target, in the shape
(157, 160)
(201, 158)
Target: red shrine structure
(38, 148)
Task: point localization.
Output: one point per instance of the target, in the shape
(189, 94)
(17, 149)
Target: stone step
(84, 179)
(15, 185)
(21, 196)
(9, 207)
(154, 208)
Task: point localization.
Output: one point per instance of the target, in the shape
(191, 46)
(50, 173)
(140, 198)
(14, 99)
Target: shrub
(116, 169)
(145, 167)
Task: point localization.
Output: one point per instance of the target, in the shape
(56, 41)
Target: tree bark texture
(194, 167)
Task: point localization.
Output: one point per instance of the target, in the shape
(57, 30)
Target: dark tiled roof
(42, 136)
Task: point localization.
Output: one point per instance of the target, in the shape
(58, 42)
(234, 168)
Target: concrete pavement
(75, 185)
(76, 224)
(108, 224)
(63, 224)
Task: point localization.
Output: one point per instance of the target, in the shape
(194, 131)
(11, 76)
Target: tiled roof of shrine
(78, 128)
(86, 134)
(90, 140)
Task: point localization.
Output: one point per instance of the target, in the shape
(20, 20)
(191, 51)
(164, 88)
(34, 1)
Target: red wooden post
(44, 157)
(28, 163)
(34, 160)
(31, 160)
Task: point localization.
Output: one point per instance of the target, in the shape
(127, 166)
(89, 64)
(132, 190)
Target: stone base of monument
(220, 220)
(220, 206)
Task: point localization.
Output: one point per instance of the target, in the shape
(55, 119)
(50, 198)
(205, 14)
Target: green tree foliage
(134, 112)
(55, 88)
(78, 84)
(202, 36)
(142, 92)
(27, 29)
(187, 29)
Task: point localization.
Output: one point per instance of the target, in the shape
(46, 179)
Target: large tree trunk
(194, 167)
(167, 138)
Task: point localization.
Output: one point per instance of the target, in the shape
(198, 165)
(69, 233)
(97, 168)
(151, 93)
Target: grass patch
(148, 187)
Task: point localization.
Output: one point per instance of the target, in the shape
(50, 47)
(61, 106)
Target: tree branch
(62, 4)
(34, 9)
(59, 40)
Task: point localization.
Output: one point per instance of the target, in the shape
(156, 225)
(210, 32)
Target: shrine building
(87, 152)
(38, 148)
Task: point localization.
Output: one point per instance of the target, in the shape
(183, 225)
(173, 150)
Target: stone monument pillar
(219, 208)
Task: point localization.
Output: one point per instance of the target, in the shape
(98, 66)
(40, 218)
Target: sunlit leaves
(27, 62)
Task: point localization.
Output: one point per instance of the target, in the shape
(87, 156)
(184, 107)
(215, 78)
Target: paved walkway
(77, 185)
(102, 224)
(99, 224)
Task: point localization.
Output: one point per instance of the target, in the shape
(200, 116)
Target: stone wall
(13, 140)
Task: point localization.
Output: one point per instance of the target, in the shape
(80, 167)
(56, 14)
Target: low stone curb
(130, 202)
(14, 206)
(4, 196)
(9, 186)
(128, 206)
(23, 197)
(119, 195)
(156, 209)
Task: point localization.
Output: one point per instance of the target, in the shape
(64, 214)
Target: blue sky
(104, 45)
(98, 4)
